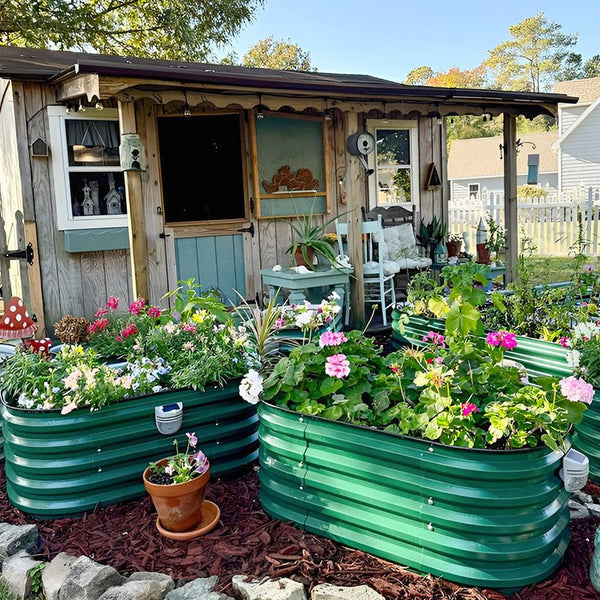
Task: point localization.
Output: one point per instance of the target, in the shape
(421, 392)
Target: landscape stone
(15, 573)
(88, 580)
(327, 591)
(135, 590)
(268, 589)
(199, 589)
(165, 581)
(55, 573)
(582, 497)
(594, 509)
(14, 538)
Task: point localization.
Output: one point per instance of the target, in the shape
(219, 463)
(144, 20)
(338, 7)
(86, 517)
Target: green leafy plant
(183, 466)
(35, 575)
(189, 299)
(307, 235)
(496, 237)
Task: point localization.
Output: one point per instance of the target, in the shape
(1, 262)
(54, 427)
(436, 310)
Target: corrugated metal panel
(66, 464)
(488, 518)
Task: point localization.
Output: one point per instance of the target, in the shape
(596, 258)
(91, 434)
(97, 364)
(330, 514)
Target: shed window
(474, 191)
(90, 186)
(395, 162)
(201, 168)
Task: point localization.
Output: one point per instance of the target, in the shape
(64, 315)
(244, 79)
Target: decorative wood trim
(84, 84)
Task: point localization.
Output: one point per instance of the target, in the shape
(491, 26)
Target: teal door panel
(216, 262)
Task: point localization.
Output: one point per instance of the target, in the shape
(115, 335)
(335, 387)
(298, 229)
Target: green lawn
(551, 270)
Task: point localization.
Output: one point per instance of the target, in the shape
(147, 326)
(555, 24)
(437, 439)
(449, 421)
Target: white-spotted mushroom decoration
(40, 346)
(16, 323)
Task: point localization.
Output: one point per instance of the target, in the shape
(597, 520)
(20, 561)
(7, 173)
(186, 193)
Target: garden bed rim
(412, 438)
(207, 387)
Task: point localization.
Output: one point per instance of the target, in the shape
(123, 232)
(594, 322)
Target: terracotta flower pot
(179, 505)
(483, 254)
(299, 258)
(453, 248)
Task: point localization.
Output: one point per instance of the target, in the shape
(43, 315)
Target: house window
(395, 162)
(89, 183)
(474, 191)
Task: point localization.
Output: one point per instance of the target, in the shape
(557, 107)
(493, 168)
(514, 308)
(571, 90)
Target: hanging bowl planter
(59, 465)
(489, 518)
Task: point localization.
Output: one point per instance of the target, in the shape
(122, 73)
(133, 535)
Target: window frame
(477, 194)
(413, 139)
(59, 157)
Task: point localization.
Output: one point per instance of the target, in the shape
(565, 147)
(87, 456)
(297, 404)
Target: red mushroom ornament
(40, 346)
(16, 323)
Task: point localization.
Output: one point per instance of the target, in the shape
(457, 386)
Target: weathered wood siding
(72, 283)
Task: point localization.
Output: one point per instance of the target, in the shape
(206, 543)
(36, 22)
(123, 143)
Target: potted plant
(309, 242)
(177, 486)
(431, 234)
(454, 244)
(496, 242)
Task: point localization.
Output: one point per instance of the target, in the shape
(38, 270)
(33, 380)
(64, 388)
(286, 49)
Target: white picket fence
(553, 221)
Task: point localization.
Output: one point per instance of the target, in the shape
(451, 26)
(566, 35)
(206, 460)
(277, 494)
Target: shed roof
(30, 64)
(587, 90)
(480, 157)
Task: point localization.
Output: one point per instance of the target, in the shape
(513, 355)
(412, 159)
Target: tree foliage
(454, 77)
(419, 76)
(575, 68)
(170, 29)
(277, 54)
(533, 57)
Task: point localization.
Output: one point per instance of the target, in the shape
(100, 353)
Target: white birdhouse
(132, 153)
(482, 231)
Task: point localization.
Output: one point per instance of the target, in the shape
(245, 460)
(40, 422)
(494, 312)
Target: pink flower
(437, 339)
(169, 470)
(131, 329)
(395, 368)
(565, 342)
(588, 268)
(279, 323)
(468, 408)
(337, 366)
(101, 312)
(439, 360)
(136, 306)
(506, 339)
(154, 311)
(112, 303)
(576, 389)
(192, 439)
(98, 325)
(330, 338)
(187, 327)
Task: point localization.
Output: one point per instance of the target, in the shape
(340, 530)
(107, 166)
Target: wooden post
(511, 218)
(354, 190)
(135, 211)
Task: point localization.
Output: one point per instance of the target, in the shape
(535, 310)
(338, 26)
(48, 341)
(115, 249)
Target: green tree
(591, 68)
(171, 29)
(533, 57)
(575, 68)
(277, 54)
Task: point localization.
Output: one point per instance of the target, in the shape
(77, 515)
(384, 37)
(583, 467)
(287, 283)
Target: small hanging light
(326, 114)
(259, 108)
(81, 107)
(99, 105)
(187, 111)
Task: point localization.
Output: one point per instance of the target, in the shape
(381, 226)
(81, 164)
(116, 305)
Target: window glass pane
(95, 193)
(92, 142)
(393, 147)
(201, 166)
(393, 185)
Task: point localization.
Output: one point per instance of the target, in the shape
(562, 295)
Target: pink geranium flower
(468, 408)
(331, 338)
(565, 342)
(337, 366)
(154, 311)
(136, 306)
(187, 327)
(437, 339)
(576, 389)
(112, 303)
(279, 323)
(506, 339)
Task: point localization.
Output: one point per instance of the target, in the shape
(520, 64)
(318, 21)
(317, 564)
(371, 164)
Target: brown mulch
(250, 542)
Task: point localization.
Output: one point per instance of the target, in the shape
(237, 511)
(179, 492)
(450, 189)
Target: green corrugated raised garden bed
(490, 518)
(58, 465)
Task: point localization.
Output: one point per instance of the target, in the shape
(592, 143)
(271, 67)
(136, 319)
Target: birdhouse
(132, 153)
(39, 148)
(440, 254)
(112, 198)
(482, 231)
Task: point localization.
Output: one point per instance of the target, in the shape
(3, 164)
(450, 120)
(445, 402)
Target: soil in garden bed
(250, 542)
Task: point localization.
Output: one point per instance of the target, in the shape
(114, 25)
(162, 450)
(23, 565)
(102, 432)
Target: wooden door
(205, 199)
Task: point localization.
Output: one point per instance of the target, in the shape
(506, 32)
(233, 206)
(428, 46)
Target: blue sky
(388, 38)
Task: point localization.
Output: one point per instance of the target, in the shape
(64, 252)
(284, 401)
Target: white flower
(251, 386)
(573, 357)
(585, 331)
(304, 319)
(334, 295)
(277, 268)
(157, 388)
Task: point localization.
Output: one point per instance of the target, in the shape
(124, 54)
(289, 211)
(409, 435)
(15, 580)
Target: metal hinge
(27, 254)
(249, 229)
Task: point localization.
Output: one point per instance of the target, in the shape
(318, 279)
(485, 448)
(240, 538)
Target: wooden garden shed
(214, 161)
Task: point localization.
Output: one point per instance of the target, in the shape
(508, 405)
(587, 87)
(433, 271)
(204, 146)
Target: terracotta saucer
(210, 517)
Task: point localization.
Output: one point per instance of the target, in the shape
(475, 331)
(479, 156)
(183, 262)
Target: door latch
(27, 254)
(249, 229)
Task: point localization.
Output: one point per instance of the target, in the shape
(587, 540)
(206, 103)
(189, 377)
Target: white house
(578, 144)
(475, 165)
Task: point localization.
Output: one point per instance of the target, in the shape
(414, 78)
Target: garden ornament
(595, 565)
(16, 322)
(40, 346)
